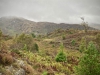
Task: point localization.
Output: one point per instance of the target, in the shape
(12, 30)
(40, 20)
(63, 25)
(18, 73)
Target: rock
(20, 72)
(20, 62)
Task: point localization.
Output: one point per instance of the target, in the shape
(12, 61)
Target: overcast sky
(67, 11)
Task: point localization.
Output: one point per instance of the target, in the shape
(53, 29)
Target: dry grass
(44, 60)
(5, 58)
(28, 69)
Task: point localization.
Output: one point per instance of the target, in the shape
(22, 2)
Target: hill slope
(17, 25)
(94, 25)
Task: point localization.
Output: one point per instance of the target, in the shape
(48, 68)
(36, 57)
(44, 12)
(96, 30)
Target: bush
(45, 73)
(90, 62)
(23, 41)
(63, 37)
(73, 42)
(0, 38)
(61, 57)
(35, 47)
(5, 58)
(97, 40)
(33, 35)
(28, 69)
(0, 33)
(25, 47)
(82, 46)
(2, 69)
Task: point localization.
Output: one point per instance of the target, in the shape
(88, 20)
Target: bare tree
(85, 24)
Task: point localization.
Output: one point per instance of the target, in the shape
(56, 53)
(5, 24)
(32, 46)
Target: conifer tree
(82, 46)
(61, 56)
(90, 62)
(97, 40)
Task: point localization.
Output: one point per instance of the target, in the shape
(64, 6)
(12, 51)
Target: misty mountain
(17, 25)
(94, 25)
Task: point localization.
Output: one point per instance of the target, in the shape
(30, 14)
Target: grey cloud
(68, 11)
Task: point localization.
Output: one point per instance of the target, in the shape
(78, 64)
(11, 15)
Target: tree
(61, 56)
(82, 46)
(33, 35)
(97, 40)
(36, 47)
(22, 41)
(73, 42)
(85, 24)
(90, 62)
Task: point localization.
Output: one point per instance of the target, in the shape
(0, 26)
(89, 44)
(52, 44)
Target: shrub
(63, 37)
(23, 41)
(25, 47)
(82, 46)
(89, 63)
(53, 45)
(0, 33)
(2, 70)
(70, 32)
(28, 69)
(73, 42)
(61, 57)
(97, 40)
(45, 73)
(33, 35)
(6, 58)
(0, 38)
(35, 47)
(3, 45)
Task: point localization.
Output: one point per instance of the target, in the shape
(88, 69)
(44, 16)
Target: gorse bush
(90, 62)
(61, 56)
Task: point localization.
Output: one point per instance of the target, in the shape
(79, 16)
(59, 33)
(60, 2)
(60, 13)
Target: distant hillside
(94, 25)
(17, 25)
